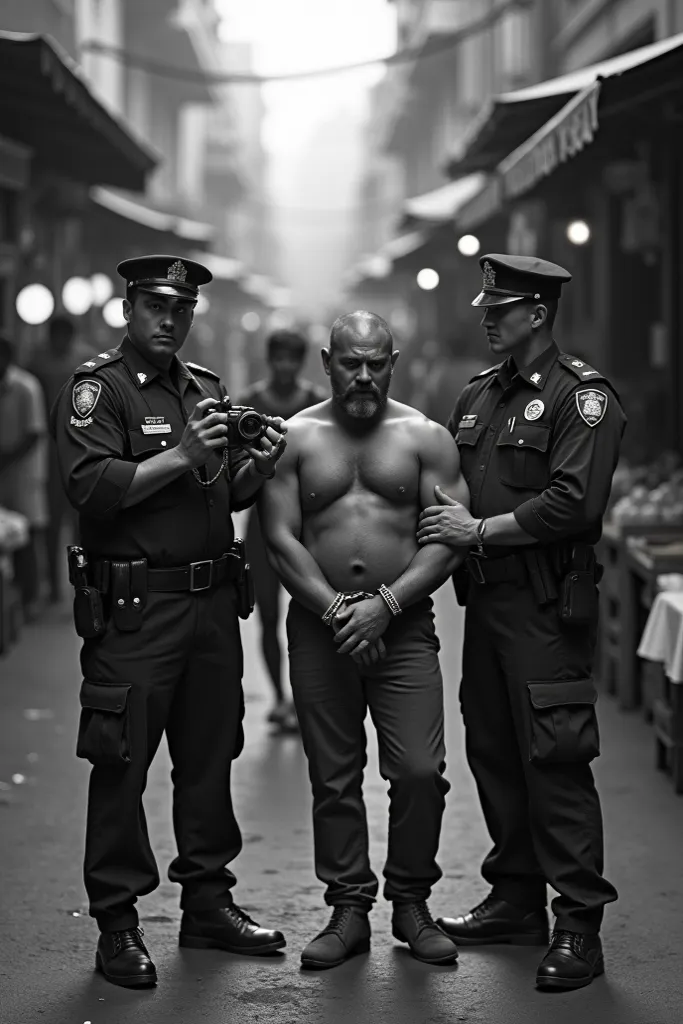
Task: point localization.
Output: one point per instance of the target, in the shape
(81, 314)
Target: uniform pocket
(467, 439)
(103, 731)
(563, 723)
(523, 456)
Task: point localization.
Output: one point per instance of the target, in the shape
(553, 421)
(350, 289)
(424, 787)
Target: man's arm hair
(279, 507)
(433, 563)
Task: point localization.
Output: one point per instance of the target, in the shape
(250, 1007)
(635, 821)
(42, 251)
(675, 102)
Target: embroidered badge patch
(534, 409)
(592, 406)
(84, 397)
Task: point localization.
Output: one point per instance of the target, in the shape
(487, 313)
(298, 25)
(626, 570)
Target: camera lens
(250, 426)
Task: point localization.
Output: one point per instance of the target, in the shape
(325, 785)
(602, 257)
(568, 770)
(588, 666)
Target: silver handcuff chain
(223, 467)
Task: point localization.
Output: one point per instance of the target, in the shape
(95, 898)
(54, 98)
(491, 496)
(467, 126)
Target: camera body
(245, 425)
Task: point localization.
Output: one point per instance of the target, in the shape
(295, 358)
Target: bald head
(361, 326)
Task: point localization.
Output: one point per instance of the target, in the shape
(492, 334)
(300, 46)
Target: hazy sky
(313, 127)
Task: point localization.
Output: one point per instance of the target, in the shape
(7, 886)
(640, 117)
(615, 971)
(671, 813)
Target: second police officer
(146, 462)
(539, 437)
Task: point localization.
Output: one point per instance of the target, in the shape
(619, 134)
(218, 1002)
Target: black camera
(245, 425)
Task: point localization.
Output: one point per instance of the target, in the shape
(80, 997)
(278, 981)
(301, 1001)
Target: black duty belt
(509, 569)
(193, 577)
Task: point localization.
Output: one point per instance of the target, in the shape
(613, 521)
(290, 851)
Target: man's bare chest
(381, 468)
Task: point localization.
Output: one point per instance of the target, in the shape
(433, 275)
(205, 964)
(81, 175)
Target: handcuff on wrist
(340, 599)
(481, 530)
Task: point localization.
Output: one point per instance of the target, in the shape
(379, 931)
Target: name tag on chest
(467, 421)
(156, 428)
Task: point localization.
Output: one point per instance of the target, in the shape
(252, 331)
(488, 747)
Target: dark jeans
(405, 696)
(184, 667)
(529, 749)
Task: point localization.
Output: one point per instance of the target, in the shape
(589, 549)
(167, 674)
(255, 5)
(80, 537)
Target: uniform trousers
(404, 694)
(184, 670)
(529, 748)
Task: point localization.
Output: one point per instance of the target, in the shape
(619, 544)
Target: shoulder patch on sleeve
(592, 406)
(98, 361)
(196, 368)
(583, 371)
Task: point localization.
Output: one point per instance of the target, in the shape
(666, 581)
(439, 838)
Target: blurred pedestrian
(23, 466)
(53, 364)
(539, 437)
(149, 461)
(283, 393)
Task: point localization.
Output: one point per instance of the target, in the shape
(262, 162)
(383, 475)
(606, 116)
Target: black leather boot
(347, 934)
(495, 921)
(572, 961)
(123, 959)
(228, 928)
(413, 923)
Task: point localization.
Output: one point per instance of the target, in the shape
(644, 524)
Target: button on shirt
(543, 443)
(138, 413)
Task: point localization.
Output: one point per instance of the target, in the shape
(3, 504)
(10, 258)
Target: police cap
(511, 278)
(165, 275)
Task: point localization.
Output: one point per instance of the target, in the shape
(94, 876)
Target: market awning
(46, 104)
(137, 209)
(442, 204)
(510, 118)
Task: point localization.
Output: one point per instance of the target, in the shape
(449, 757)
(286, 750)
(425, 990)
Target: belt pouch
(88, 612)
(126, 606)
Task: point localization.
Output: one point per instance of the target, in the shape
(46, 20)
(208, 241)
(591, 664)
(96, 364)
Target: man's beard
(360, 404)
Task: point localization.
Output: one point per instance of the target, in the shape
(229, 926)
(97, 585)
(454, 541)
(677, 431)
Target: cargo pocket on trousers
(103, 731)
(563, 724)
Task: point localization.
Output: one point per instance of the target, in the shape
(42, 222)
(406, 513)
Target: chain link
(212, 481)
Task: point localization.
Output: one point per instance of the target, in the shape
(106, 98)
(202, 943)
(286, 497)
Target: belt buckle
(475, 569)
(198, 568)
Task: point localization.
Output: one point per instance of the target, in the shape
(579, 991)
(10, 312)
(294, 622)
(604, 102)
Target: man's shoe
(228, 928)
(347, 934)
(495, 921)
(123, 959)
(413, 923)
(572, 961)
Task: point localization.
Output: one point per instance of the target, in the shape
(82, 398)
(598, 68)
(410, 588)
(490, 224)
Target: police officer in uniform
(283, 393)
(154, 474)
(538, 436)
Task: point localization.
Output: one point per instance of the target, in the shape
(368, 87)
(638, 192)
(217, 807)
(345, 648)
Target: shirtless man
(340, 523)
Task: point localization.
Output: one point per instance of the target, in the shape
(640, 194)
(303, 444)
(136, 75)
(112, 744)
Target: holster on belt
(88, 612)
(128, 589)
(541, 577)
(244, 584)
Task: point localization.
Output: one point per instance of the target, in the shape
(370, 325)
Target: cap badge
(489, 275)
(535, 378)
(84, 396)
(534, 409)
(592, 406)
(177, 272)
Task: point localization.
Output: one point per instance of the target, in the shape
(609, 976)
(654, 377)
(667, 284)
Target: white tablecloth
(662, 638)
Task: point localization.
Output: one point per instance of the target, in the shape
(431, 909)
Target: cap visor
(168, 289)
(486, 299)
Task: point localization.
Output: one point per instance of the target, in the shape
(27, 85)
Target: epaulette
(202, 369)
(98, 361)
(486, 373)
(582, 370)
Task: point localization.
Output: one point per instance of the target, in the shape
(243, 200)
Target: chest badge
(84, 397)
(534, 409)
(592, 406)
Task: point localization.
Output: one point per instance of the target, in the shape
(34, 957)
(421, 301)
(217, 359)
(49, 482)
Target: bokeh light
(35, 304)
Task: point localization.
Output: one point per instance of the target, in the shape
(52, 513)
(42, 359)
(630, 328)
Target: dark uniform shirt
(140, 412)
(542, 442)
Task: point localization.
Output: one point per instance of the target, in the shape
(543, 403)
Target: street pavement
(47, 941)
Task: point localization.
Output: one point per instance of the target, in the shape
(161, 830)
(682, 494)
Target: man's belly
(359, 552)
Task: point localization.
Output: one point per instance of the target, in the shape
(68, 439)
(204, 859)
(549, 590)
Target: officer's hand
(270, 446)
(203, 433)
(360, 625)
(448, 523)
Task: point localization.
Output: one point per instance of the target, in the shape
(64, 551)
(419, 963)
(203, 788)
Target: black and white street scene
(341, 511)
